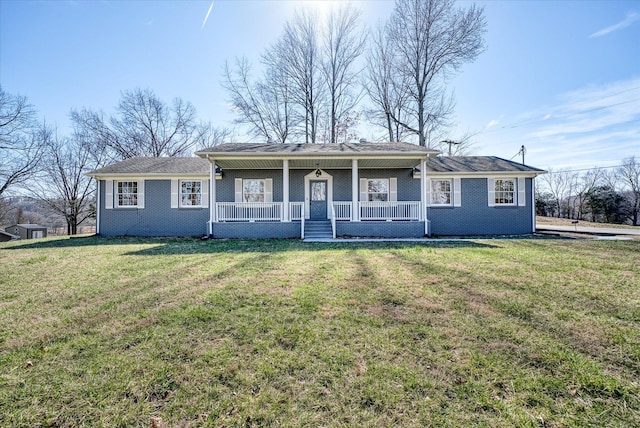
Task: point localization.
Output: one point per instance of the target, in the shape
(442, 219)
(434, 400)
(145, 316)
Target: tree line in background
(50, 169)
(598, 195)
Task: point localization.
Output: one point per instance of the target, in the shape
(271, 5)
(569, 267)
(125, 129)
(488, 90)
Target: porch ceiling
(323, 163)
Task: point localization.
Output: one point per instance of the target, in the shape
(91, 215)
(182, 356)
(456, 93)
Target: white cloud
(628, 20)
(597, 125)
(593, 109)
(493, 122)
(589, 126)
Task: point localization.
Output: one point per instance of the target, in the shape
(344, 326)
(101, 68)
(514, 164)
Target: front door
(318, 203)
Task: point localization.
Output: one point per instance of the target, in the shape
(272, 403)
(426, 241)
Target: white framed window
(444, 192)
(378, 189)
(504, 191)
(191, 193)
(441, 192)
(507, 191)
(126, 194)
(254, 190)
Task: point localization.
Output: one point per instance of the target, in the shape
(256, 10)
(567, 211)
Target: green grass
(115, 332)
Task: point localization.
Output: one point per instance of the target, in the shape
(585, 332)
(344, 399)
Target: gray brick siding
(476, 217)
(257, 230)
(381, 229)
(157, 218)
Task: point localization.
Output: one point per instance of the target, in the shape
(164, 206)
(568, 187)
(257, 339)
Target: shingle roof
(10, 235)
(471, 164)
(346, 148)
(160, 166)
(199, 166)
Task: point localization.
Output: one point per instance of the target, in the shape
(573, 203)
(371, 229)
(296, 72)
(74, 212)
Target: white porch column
(285, 190)
(423, 191)
(212, 196)
(355, 212)
(423, 195)
(99, 205)
(533, 204)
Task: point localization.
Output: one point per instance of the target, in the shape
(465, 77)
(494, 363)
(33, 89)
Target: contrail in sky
(207, 16)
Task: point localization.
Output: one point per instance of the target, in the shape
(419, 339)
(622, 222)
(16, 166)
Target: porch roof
(308, 156)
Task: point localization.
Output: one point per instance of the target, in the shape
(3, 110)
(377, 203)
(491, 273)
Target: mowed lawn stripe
(97, 331)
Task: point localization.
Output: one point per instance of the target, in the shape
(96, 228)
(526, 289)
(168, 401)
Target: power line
(528, 122)
(586, 169)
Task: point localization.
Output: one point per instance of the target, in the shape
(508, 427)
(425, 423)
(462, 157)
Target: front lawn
(115, 332)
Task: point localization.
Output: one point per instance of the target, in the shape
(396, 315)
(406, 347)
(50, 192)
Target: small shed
(6, 236)
(28, 231)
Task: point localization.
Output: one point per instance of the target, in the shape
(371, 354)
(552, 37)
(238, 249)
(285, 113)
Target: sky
(561, 78)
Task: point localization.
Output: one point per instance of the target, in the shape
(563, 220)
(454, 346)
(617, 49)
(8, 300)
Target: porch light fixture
(318, 172)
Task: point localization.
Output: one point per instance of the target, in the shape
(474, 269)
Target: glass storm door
(318, 208)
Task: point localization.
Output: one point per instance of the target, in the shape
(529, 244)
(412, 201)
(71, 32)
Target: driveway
(588, 230)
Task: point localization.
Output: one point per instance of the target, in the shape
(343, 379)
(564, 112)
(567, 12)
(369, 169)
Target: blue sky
(561, 78)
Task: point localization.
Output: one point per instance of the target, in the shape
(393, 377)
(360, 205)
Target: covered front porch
(272, 190)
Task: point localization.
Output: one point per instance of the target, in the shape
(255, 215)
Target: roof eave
(488, 173)
(103, 176)
(316, 155)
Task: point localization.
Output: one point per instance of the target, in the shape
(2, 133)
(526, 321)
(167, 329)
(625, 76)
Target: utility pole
(450, 143)
(523, 150)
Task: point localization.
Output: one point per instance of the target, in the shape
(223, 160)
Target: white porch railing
(295, 210)
(342, 210)
(249, 211)
(379, 210)
(273, 211)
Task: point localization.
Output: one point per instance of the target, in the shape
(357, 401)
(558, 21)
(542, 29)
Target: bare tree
(265, 105)
(308, 86)
(382, 85)
(431, 40)
(20, 139)
(297, 54)
(583, 186)
(214, 135)
(557, 182)
(62, 185)
(143, 125)
(344, 42)
(629, 174)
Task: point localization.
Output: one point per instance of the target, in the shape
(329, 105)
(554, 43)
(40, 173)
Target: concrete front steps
(317, 230)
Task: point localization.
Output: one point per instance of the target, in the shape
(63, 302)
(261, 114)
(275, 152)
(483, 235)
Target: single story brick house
(365, 189)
